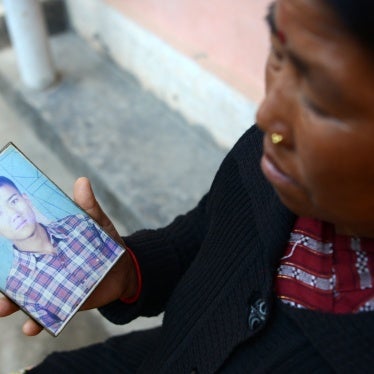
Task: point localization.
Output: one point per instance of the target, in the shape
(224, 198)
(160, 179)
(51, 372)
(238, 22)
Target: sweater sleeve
(163, 256)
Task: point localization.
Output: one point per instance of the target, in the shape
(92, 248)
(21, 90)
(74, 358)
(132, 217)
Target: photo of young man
(55, 265)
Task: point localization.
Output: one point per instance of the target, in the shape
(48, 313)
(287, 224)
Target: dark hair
(358, 17)
(4, 181)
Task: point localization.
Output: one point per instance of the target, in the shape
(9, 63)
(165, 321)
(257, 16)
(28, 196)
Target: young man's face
(17, 218)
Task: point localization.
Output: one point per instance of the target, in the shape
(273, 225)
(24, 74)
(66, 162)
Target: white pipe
(29, 38)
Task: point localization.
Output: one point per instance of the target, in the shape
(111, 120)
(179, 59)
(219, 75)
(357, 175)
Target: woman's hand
(121, 281)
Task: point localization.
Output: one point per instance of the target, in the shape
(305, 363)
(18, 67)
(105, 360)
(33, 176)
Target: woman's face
(320, 98)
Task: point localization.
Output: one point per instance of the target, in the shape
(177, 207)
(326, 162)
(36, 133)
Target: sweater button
(194, 371)
(257, 315)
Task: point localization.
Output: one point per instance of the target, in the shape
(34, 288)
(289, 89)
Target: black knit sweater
(212, 272)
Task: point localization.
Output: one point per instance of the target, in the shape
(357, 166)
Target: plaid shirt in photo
(52, 286)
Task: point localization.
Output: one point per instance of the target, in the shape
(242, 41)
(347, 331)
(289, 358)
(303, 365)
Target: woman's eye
(276, 56)
(277, 53)
(316, 109)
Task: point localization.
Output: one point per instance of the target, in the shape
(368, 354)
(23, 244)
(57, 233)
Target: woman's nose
(276, 113)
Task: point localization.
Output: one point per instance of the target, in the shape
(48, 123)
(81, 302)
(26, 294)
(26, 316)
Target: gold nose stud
(276, 138)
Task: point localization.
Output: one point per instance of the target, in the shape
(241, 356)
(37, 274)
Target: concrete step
(146, 161)
(18, 350)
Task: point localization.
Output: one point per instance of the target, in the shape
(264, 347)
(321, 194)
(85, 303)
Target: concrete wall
(205, 59)
(226, 37)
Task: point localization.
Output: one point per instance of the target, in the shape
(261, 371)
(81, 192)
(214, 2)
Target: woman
(264, 277)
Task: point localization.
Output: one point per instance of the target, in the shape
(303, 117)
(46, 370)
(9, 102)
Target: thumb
(85, 198)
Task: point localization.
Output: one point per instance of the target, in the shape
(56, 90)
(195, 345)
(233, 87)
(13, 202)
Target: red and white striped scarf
(323, 271)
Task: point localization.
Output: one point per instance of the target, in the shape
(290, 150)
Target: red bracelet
(130, 300)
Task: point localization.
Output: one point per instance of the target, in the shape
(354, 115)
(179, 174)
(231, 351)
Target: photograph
(53, 254)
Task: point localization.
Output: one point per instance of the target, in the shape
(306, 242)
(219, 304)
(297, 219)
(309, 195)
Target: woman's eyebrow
(299, 64)
(270, 18)
(305, 68)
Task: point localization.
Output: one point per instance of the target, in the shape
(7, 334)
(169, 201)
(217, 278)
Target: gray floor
(17, 350)
(146, 162)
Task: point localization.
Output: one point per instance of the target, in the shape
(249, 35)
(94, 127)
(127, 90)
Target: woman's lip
(273, 173)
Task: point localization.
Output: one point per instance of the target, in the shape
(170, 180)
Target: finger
(7, 307)
(31, 328)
